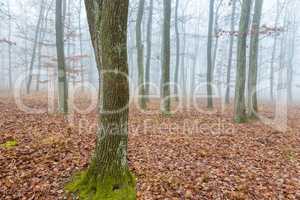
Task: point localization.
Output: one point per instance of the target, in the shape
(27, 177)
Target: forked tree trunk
(228, 80)
(62, 76)
(253, 62)
(239, 101)
(166, 101)
(209, 55)
(140, 55)
(108, 175)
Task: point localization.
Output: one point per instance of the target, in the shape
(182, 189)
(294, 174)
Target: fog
(18, 33)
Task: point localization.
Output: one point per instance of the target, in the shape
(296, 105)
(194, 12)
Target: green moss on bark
(109, 188)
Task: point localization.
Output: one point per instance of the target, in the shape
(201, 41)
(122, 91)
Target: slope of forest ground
(188, 155)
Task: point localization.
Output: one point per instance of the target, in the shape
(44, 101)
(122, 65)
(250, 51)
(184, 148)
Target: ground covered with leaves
(187, 155)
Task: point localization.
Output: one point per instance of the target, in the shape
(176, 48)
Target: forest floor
(187, 155)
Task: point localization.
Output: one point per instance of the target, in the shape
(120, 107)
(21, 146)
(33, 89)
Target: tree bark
(80, 43)
(253, 61)
(9, 48)
(274, 53)
(209, 55)
(177, 50)
(166, 101)
(62, 76)
(239, 101)
(149, 48)
(140, 55)
(228, 80)
(108, 175)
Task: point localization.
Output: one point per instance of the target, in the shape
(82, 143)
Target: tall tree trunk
(253, 61)
(108, 175)
(62, 76)
(9, 48)
(216, 35)
(183, 68)
(37, 32)
(290, 75)
(140, 54)
(239, 101)
(274, 53)
(80, 43)
(209, 55)
(177, 50)
(228, 80)
(166, 103)
(149, 47)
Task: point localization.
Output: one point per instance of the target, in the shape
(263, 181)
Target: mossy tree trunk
(228, 78)
(166, 101)
(108, 175)
(209, 55)
(252, 75)
(140, 55)
(149, 48)
(239, 101)
(62, 75)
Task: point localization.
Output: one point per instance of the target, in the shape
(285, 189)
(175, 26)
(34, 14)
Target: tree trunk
(62, 79)
(274, 53)
(108, 175)
(290, 70)
(209, 55)
(149, 47)
(140, 55)
(80, 43)
(239, 101)
(37, 31)
(254, 45)
(228, 80)
(9, 48)
(166, 101)
(177, 50)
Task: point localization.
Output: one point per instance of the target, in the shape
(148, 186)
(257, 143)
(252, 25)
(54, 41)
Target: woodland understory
(39, 153)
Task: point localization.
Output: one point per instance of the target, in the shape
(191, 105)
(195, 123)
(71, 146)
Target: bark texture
(252, 75)
(62, 75)
(108, 175)
(140, 55)
(209, 55)
(166, 101)
(239, 101)
(149, 47)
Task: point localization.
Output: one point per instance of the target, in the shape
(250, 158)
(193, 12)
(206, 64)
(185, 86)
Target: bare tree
(209, 55)
(253, 60)
(140, 54)
(62, 76)
(108, 175)
(166, 101)
(228, 80)
(239, 101)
